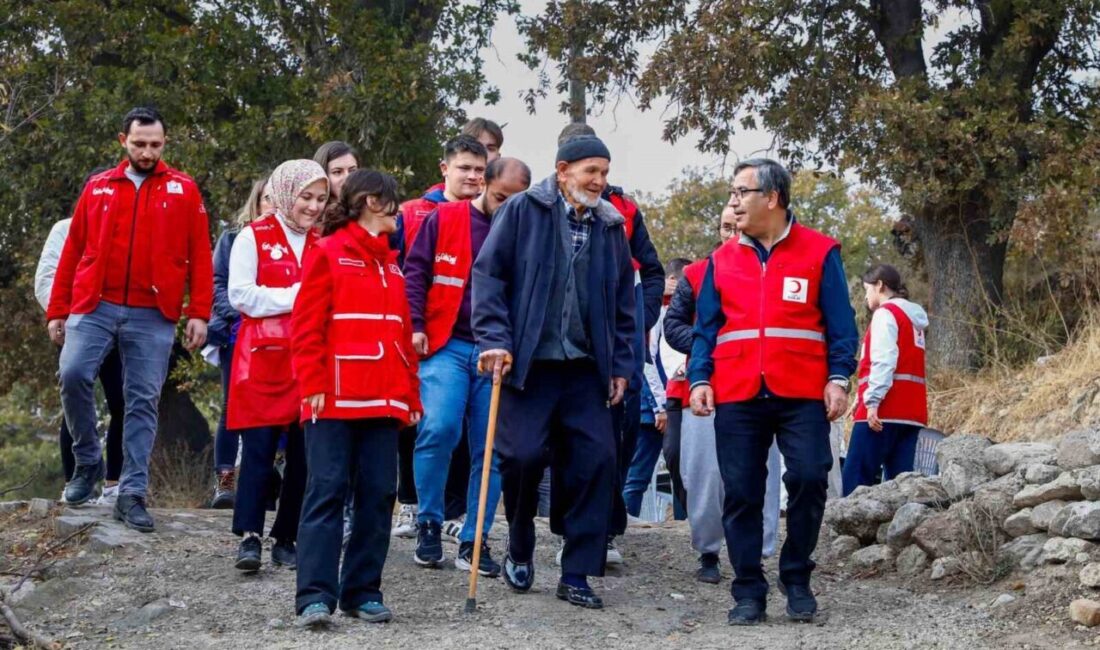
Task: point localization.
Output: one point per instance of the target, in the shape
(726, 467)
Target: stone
(108, 538)
(1026, 550)
(11, 506)
(1019, 524)
(926, 490)
(1008, 456)
(1080, 519)
(1088, 479)
(996, 496)
(888, 493)
(939, 534)
(143, 617)
(880, 535)
(1060, 550)
(68, 524)
(944, 567)
(877, 557)
(1064, 487)
(1090, 575)
(905, 521)
(960, 446)
(912, 561)
(1038, 473)
(844, 546)
(1085, 611)
(40, 507)
(1079, 448)
(962, 476)
(15, 597)
(857, 517)
(1002, 600)
(1043, 514)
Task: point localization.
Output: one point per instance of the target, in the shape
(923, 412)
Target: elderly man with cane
(774, 345)
(553, 310)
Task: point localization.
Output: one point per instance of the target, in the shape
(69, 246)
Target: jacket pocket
(268, 364)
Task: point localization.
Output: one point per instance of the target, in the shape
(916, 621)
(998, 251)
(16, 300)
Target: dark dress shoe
(81, 488)
(284, 553)
(520, 576)
(748, 612)
(130, 510)
(579, 596)
(708, 571)
(248, 554)
(801, 604)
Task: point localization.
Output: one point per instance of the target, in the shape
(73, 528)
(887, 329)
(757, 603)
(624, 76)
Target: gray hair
(771, 176)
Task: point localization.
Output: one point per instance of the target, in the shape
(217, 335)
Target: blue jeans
(144, 341)
(891, 450)
(451, 391)
(646, 452)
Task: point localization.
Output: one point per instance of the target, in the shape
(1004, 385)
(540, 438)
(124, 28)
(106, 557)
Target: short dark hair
(143, 115)
(464, 144)
(500, 167)
(332, 150)
(575, 130)
(479, 125)
(675, 267)
(359, 185)
(771, 176)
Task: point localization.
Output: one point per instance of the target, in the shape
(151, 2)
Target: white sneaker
(406, 521)
(614, 557)
(451, 529)
(109, 496)
(561, 549)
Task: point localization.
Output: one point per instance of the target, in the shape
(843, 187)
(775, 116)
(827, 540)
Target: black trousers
(743, 435)
(561, 420)
(670, 448)
(357, 456)
(626, 420)
(110, 377)
(258, 448)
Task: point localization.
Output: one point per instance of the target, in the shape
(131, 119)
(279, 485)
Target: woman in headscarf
(264, 276)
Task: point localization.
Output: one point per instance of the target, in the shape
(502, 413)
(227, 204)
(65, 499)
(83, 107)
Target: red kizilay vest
(679, 388)
(907, 399)
(450, 273)
(413, 214)
(262, 389)
(629, 210)
(774, 330)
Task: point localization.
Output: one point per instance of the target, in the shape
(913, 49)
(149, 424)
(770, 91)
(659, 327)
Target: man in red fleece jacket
(139, 236)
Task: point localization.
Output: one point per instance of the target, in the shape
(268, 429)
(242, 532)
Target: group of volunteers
(359, 339)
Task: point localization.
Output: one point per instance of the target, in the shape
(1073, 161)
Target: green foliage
(684, 222)
(28, 445)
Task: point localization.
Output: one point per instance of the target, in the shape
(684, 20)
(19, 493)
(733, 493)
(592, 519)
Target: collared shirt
(580, 226)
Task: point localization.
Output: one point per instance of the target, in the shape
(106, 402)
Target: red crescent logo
(797, 286)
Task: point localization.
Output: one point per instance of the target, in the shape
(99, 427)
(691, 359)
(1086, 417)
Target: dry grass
(178, 478)
(1040, 401)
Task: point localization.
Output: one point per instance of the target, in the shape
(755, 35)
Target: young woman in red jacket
(356, 371)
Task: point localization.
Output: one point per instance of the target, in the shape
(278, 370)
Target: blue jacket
(642, 250)
(223, 316)
(513, 274)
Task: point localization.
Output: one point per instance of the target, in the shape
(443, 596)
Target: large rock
(944, 567)
(1088, 479)
(877, 557)
(1085, 611)
(961, 446)
(1064, 487)
(962, 476)
(926, 490)
(996, 496)
(1043, 514)
(912, 561)
(905, 521)
(1060, 550)
(857, 517)
(1079, 449)
(1080, 519)
(1019, 524)
(939, 534)
(843, 546)
(1039, 474)
(1008, 456)
(1090, 575)
(1025, 551)
(888, 493)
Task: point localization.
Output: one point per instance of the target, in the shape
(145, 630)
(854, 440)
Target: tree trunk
(965, 264)
(578, 111)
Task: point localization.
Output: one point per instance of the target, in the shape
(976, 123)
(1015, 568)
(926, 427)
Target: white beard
(582, 197)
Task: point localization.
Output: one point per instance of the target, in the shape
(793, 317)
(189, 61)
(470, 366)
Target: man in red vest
(774, 345)
(437, 282)
(139, 242)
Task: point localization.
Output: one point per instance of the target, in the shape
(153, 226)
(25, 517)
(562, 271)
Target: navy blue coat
(513, 275)
(223, 316)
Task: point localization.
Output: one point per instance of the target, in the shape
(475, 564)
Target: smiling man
(553, 309)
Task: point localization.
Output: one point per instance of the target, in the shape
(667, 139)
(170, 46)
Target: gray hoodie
(884, 347)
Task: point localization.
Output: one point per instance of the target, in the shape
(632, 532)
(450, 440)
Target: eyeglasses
(740, 192)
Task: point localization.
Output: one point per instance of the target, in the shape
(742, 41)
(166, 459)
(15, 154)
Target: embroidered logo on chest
(277, 251)
(347, 261)
(102, 190)
(175, 187)
(395, 269)
(796, 289)
(918, 338)
(444, 257)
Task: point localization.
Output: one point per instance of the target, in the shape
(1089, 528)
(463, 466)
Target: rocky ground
(176, 589)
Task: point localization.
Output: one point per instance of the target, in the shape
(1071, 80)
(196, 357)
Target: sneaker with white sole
(109, 496)
(406, 521)
(561, 549)
(614, 557)
(451, 529)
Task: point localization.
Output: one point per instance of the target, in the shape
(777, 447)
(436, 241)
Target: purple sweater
(418, 271)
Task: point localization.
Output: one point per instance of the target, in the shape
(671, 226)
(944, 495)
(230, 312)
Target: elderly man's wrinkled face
(584, 181)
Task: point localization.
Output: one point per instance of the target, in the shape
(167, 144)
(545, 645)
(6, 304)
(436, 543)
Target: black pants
(561, 420)
(110, 377)
(343, 456)
(626, 420)
(743, 435)
(670, 448)
(258, 448)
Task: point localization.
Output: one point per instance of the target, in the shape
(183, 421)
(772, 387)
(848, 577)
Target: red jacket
(351, 337)
(680, 388)
(136, 248)
(907, 399)
(774, 329)
(450, 273)
(629, 210)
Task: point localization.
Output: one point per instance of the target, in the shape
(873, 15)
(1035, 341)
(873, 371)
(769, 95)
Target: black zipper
(130, 252)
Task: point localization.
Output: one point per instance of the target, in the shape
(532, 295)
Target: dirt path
(177, 589)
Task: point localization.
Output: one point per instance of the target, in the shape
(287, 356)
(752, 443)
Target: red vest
(907, 399)
(262, 390)
(679, 388)
(629, 210)
(774, 330)
(450, 273)
(413, 214)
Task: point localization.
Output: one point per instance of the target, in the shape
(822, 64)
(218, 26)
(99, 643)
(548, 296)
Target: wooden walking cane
(490, 434)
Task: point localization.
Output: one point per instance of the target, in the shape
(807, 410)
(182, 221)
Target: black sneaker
(801, 604)
(130, 510)
(248, 554)
(708, 569)
(284, 553)
(225, 494)
(429, 545)
(486, 566)
(81, 488)
(748, 611)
